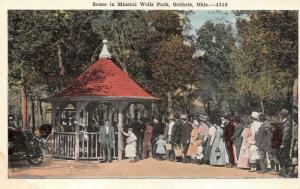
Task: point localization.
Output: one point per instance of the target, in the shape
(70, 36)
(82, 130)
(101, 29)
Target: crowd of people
(256, 143)
(251, 144)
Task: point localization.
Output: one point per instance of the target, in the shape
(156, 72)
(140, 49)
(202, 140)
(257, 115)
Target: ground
(124, 169)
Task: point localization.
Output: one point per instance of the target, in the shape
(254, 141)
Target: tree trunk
(262, 107)
(207, 107)
(24, 108)
(33, 114)
(60, 62)
(61, 69)
(169, 105)
(41, 111)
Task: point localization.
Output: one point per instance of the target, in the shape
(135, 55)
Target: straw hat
(255, 115)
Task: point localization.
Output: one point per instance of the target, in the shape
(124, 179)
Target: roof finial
(104, 53)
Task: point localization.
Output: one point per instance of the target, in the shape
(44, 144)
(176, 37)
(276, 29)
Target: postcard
(173, 93)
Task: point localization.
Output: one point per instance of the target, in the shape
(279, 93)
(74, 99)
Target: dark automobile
(23, 145)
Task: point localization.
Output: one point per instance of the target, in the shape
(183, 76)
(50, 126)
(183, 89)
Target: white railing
(89, 147)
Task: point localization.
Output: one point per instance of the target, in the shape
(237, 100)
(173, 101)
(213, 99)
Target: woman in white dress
(254, 154)
(245, 148)
(130, 149)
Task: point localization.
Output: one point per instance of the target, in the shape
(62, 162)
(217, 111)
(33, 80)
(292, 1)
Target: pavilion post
(53, 112)
(120, 107)
(120, 127)
(79, 107)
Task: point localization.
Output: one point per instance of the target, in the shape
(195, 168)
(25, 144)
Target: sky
(198, 18)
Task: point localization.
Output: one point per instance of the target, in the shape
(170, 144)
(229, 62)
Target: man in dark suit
(107, 141)
(147, 138)
(228, 138)
(284, 157)
(263, 140)
(138, 130)
(185, 136)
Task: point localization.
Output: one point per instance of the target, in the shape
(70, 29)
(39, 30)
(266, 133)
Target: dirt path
(148, 168)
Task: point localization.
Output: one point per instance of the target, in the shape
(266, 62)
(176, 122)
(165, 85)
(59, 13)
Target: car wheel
(36, 158)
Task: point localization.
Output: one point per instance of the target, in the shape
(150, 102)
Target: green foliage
(265, 60)
(33, 40)
(234, 71)
(215, 41)
(174, 69)
(37, 37)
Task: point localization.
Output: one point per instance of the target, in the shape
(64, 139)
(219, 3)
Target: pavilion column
(121, 107)
(53, 115)
(79, 107)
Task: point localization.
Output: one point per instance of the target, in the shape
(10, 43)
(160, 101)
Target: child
(130, 149)
(199, 155)
(160, 150)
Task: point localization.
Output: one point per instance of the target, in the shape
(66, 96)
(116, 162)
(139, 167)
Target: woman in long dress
(203, 134)
(210, 139)
(245, 149)
(194, 142)
(254, 153)
(218, 150)
(130, 149)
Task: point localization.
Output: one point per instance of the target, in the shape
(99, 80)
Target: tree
(215, 42)
(174, 70)
(48, 49)
(40, 43)
(126, 31)
(265, 59)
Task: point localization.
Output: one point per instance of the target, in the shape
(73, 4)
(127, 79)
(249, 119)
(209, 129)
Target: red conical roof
(104, 79)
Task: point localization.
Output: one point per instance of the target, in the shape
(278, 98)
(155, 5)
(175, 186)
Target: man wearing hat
(228, 138)
(138, 130)
(263, 140)
(168, 137)
(11, 121)
(147, 137)
(284, 153)
(107, 141)
(185, 136)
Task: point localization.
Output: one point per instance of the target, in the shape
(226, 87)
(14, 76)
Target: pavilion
(102, 82)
